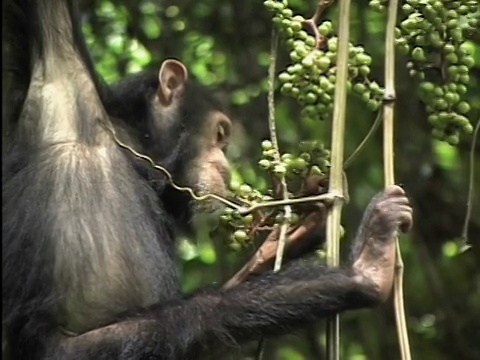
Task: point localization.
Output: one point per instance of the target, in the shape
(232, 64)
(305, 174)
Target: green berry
(407, 8)
(309, 111)
(235, 246)
(461, 89)
(298, 164)
(287, 13)
(286, 156)
(298, 18)
(284, 77)
(325, 83)
(440, 103)
(301, 51)
(373, 105)
(452, 87)
(323, 63)
(332, 44)
(264, 163)
(315, 170)
(296, 26)
(310, 41)
(245, 189)
(462, 10)
(363, 59)
(456, 35)
(310, 98)
(286, 88)
(451, 14)
(468, 128)
(453, 139)
(359, 88)
(438, 91)
(433, 119)
(448, 48)
(452, 71)
(418, 54)
(450, 97)
(462, 69)
(452, 24)
(305, 156)
(469, 61)
(463, 107)
(443, 117)
(269, 4)
(240, 236)
(374, 87)
(366, 96)
(325, 28)
(307, 62)
(427, 86)
(247, 219)
(286, 23)
(452, 58)
(267, 145)
(364, 70)
(465, 79)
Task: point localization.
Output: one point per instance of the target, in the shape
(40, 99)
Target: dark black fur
(86, 215)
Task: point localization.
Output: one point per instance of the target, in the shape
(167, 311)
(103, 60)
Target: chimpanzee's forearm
(266, 305)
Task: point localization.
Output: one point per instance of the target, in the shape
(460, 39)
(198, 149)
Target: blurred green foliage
(225, 44)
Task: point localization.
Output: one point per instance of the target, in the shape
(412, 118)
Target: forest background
(225, 44)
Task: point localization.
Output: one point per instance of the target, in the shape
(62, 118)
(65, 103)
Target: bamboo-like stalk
(336, 170)
(388, 161)
(273, 136)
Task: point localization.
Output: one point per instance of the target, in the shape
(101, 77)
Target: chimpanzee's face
(209, 171)
(192, 133)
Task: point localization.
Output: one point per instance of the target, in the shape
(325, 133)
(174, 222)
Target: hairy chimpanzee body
(88, 230)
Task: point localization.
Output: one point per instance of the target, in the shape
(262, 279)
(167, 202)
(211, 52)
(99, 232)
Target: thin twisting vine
(282, 182)
(243, 210)
(110, 129)
(471, 189)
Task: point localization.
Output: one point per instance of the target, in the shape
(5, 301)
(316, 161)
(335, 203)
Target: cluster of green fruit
(312, 160)
(310, 79)
(243, 227)
(433, 36)
(240, 226)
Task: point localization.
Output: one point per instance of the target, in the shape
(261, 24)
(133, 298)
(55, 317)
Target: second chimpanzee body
(89, 270)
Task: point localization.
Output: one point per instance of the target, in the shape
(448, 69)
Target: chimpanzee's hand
(373, 253)
(387, 212)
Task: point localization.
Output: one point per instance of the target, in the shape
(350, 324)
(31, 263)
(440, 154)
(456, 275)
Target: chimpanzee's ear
(172, 78)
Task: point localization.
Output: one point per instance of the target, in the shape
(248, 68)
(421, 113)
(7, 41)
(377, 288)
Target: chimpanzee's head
(189, 134)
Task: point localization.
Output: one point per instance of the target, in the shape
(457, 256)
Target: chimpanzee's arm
(267, 305)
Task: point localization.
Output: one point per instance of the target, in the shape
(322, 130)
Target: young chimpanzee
(88, 230)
